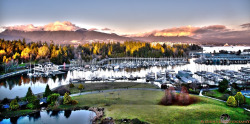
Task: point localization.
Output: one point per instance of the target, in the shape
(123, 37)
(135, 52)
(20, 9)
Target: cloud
(29, 27)
(93, 29)
(106, 29)
(56, 26)
(211, 28)
(61, 26)
(247, 25)
(184, 31)
(74, 41)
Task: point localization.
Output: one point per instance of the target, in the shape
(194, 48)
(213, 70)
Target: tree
(223, 85)
(52, 98)
(184, 98)
(43, 52)
(239, 98)
(26, 53)
(231, 101)
(32, 99)
(29, 93)
(14, 105)
(47, 91)
(80, 87)
(66, 98)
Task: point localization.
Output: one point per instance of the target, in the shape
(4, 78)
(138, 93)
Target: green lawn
(144, 105)
(219, 95)
(215, 94)
(110, 85)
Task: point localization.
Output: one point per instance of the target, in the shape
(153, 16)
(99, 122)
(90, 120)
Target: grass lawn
(110, 85)
(144, 105)
(248, 101)
(15, 113)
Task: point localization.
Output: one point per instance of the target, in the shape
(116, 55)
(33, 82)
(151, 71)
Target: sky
(126, 16)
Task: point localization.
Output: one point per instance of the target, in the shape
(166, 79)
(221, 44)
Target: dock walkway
(13, 73)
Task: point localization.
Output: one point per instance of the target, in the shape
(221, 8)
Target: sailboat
(29, 72)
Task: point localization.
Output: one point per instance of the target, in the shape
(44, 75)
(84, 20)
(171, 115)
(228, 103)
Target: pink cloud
(183, 31)
(56, 26)
(61, 26)
(29, 27)
(106, 29)
(92, 29)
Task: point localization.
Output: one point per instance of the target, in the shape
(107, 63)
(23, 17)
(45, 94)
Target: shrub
(224, 97)
(184, 98)
(52, 98)
(223, 85)
(74, 102)
(47, 91)
(61, 90)
(66, 98)
(71, 85)
(239, 98)
(30, 106)
(14, 105)
(80, 87)
(5, 101)
(171, 98)
(231, 101)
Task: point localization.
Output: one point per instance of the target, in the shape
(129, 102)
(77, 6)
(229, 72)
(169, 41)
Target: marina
(127, 71)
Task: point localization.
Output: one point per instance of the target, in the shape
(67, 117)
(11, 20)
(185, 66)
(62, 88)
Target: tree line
(18, 51)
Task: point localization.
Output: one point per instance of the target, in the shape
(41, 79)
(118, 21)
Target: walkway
(13, 73)
(200, 94)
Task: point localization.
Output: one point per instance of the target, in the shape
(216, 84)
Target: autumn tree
(66, 98)
(239, 98)
(80, 87)
(14, 105)
(26, 53)
(231, 101)
(43, 52)
(184, 97)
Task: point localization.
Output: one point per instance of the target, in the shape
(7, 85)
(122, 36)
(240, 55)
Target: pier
(103, 61)
(13, 73)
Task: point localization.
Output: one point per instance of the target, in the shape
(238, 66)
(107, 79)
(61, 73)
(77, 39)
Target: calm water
(18, 86)
(55, 117)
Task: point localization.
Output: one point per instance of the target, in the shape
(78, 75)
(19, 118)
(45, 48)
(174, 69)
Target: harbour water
(18, 85)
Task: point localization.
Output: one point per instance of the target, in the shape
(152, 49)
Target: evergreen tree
(29, 93)
(47, 91)
(231, 101)
(223, 85)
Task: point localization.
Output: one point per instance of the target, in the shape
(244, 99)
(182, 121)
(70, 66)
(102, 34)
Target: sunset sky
(127, 16)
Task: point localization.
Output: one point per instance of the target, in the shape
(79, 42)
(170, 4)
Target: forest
(18, 51)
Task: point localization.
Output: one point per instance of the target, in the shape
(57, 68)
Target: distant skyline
(127, 16)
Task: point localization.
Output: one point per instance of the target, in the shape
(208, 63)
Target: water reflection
(35, 116)
(60, 117)
(67, 113)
